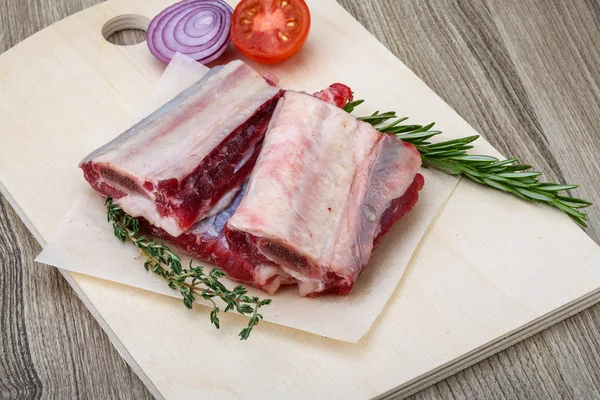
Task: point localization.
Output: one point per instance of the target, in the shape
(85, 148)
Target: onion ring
(200, 29)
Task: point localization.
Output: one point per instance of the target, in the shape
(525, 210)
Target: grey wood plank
(524, 73)
(50, 345)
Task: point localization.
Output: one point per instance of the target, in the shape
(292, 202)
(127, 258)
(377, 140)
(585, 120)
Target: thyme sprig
(190, 282)
(452, 158)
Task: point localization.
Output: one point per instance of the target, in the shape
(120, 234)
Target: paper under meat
(181, 72)
(346, 318)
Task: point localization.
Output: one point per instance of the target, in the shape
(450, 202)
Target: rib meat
(206, 242)
(325, 187)
(336, 94)
(187, 160)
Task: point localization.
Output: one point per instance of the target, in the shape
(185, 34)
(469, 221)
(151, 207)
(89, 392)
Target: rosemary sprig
(190, 282)
(452, 158)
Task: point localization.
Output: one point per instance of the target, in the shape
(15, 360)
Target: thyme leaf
(191, 282)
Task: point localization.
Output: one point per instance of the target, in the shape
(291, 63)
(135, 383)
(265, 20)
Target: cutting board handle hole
(126, 30)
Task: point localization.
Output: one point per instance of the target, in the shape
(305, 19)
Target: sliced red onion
(197, 28)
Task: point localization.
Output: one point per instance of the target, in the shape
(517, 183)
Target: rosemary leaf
(349, 107)
(556, 188)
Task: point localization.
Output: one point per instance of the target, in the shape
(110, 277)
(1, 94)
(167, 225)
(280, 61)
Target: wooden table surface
(524, 73)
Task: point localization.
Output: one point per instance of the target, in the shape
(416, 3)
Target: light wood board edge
(481, 353)
(405, 390)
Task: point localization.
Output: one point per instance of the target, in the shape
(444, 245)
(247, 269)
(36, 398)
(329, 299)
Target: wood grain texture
(522, 73)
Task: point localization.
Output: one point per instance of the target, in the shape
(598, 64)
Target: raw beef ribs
(187, 160)
(325, 187)
(206, 240)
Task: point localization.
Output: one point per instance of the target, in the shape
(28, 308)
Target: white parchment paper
(85, 244)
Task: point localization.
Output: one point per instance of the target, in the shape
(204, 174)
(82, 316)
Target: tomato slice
(270, 31)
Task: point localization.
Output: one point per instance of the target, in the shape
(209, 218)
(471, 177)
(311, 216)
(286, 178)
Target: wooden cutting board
(492, 270)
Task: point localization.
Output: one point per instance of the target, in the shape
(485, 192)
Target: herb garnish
(452, 158)
(190, 282)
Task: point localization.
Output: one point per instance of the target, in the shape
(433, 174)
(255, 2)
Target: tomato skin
(270, 31)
